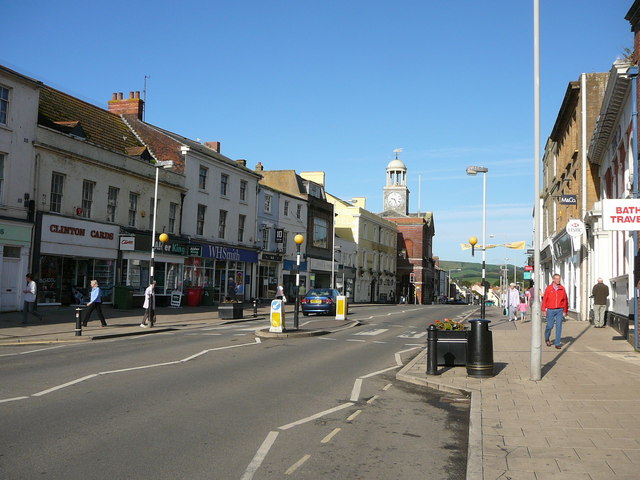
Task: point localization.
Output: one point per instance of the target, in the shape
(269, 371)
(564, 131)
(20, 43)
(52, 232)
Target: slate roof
(70, 115)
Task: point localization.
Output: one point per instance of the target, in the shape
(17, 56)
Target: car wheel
(305, 314)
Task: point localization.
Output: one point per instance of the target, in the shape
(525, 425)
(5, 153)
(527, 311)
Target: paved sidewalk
(59, 323)
(580, 421)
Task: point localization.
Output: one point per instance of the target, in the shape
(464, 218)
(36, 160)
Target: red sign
(528, 268)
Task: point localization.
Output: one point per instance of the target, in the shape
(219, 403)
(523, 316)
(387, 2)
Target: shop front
(319, 273)
(15, 243)
(70, 253)
(228, 270)
(289, 278)
(269, 267)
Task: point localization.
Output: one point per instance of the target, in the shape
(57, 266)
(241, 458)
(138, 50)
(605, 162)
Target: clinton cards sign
(621, 214)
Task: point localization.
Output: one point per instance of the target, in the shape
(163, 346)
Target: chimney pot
(114, 96)
(130, 94)
(242, 162)
(137, 94)
(259, 167)
(119, 95)
(213, 146)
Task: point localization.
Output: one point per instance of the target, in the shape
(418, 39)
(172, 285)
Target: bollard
(255, 307)
(78, 322)
(432, 350)
(480, 349)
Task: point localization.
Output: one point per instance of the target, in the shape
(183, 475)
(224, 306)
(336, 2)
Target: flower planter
(229, 311)
(452, 348)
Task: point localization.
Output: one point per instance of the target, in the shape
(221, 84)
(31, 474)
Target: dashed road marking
(297, 465)
(328, 438)
(353, 416)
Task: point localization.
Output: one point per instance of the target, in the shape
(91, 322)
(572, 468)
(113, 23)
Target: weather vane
(397, 151)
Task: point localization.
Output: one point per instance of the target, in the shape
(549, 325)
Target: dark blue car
(320, 300)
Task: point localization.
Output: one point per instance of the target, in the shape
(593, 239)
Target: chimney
(213, 146)
(130, 106)
(259, 167)
(242, 162)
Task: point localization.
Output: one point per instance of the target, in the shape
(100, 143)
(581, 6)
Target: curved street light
(474, 170)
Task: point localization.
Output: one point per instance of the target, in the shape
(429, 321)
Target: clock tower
(396, 193)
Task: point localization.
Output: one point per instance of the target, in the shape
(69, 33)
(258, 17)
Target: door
(11, 291)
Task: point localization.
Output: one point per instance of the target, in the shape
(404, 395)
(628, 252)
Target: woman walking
(94, 304)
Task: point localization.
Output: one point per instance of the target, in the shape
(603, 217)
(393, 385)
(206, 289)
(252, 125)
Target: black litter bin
(480, 349)
(123, 296)
(208, 295)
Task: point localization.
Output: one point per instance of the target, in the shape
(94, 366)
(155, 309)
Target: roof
(70, 115)
(396, 164)
(287, 181)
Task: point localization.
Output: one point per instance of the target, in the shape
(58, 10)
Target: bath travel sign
(621, 214)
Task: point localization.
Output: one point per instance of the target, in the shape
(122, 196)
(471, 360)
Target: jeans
(598, 315)
(554, 315)
(29, 308)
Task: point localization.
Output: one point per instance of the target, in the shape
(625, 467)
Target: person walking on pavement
(599, 293)
(149, 318)
(513, 302)
(29, 294)
(95, 304)
(555, 304)
(522, 308)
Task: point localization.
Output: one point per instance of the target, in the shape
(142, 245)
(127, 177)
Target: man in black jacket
(599, 293)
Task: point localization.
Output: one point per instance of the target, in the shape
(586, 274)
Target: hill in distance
(471, 273)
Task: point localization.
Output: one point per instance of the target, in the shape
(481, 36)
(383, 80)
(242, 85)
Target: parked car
(320, 300)
(458, 301)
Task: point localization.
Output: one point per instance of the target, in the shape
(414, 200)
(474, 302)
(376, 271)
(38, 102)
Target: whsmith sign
(621, 214)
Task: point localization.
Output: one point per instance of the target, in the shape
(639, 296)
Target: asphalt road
(216, 403)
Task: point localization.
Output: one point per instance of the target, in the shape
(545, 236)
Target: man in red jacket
(556, 304)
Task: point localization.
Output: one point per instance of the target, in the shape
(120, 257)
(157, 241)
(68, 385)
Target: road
(217, 403)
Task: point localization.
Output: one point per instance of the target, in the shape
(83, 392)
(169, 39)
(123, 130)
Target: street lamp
(298, 239)
(336, 248)
(163, 238)
(474, 170)
(449, 279)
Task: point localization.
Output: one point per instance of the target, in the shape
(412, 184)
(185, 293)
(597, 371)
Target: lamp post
(449, 279)
(298, 239)
(336, 248)
(163, 238)
(474, 170)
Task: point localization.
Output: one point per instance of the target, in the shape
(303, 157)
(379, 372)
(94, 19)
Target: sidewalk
(59, 323)
(578, 422)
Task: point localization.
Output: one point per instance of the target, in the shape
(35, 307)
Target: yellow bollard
(277, 316)
(341, 307)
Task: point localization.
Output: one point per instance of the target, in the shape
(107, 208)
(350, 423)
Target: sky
(337, 86)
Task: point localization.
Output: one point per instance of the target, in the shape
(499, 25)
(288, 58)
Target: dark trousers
(148, 317)
(94, 306)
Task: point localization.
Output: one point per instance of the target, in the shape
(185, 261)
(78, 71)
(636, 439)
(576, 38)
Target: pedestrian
(555, 304)
(149, 318)
(94, 304)
(599, 293)
(513, 302)
(231, 289)
(523, 307)
(280, 292)
(29, 295)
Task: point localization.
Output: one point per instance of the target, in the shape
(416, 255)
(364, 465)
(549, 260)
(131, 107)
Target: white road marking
(380, 371)
(12, 399)
(372, 332)
(260, 455)
(297, 465)
(353, 416)
(317, 415)
(328, 438)
(32, 351)
(372, 399)
(387, 386)
(413, 334)
(73, 382)
(378, 341)
(355, 392)
(326, 338)
(355, 340)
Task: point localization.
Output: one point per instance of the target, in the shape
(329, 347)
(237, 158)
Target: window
(4, 105)
(224, 184)
(87, 198)
(286, 208)
(112, 203)
(202, 179)
(241, 221)
(299, 212)
(200, 219)
(243, 190)
(285, 236)
(173, 213)
(222, 223)
(267, 203)
(2, 158)
(57, 187)
(265, 238)
(133, 208)
(320, 233)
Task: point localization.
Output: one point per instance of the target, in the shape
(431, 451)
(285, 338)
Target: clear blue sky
(338, 85)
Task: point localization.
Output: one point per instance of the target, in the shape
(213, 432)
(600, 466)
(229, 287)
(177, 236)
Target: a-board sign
(176, 298)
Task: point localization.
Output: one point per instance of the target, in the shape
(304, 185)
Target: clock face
(394, 199)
